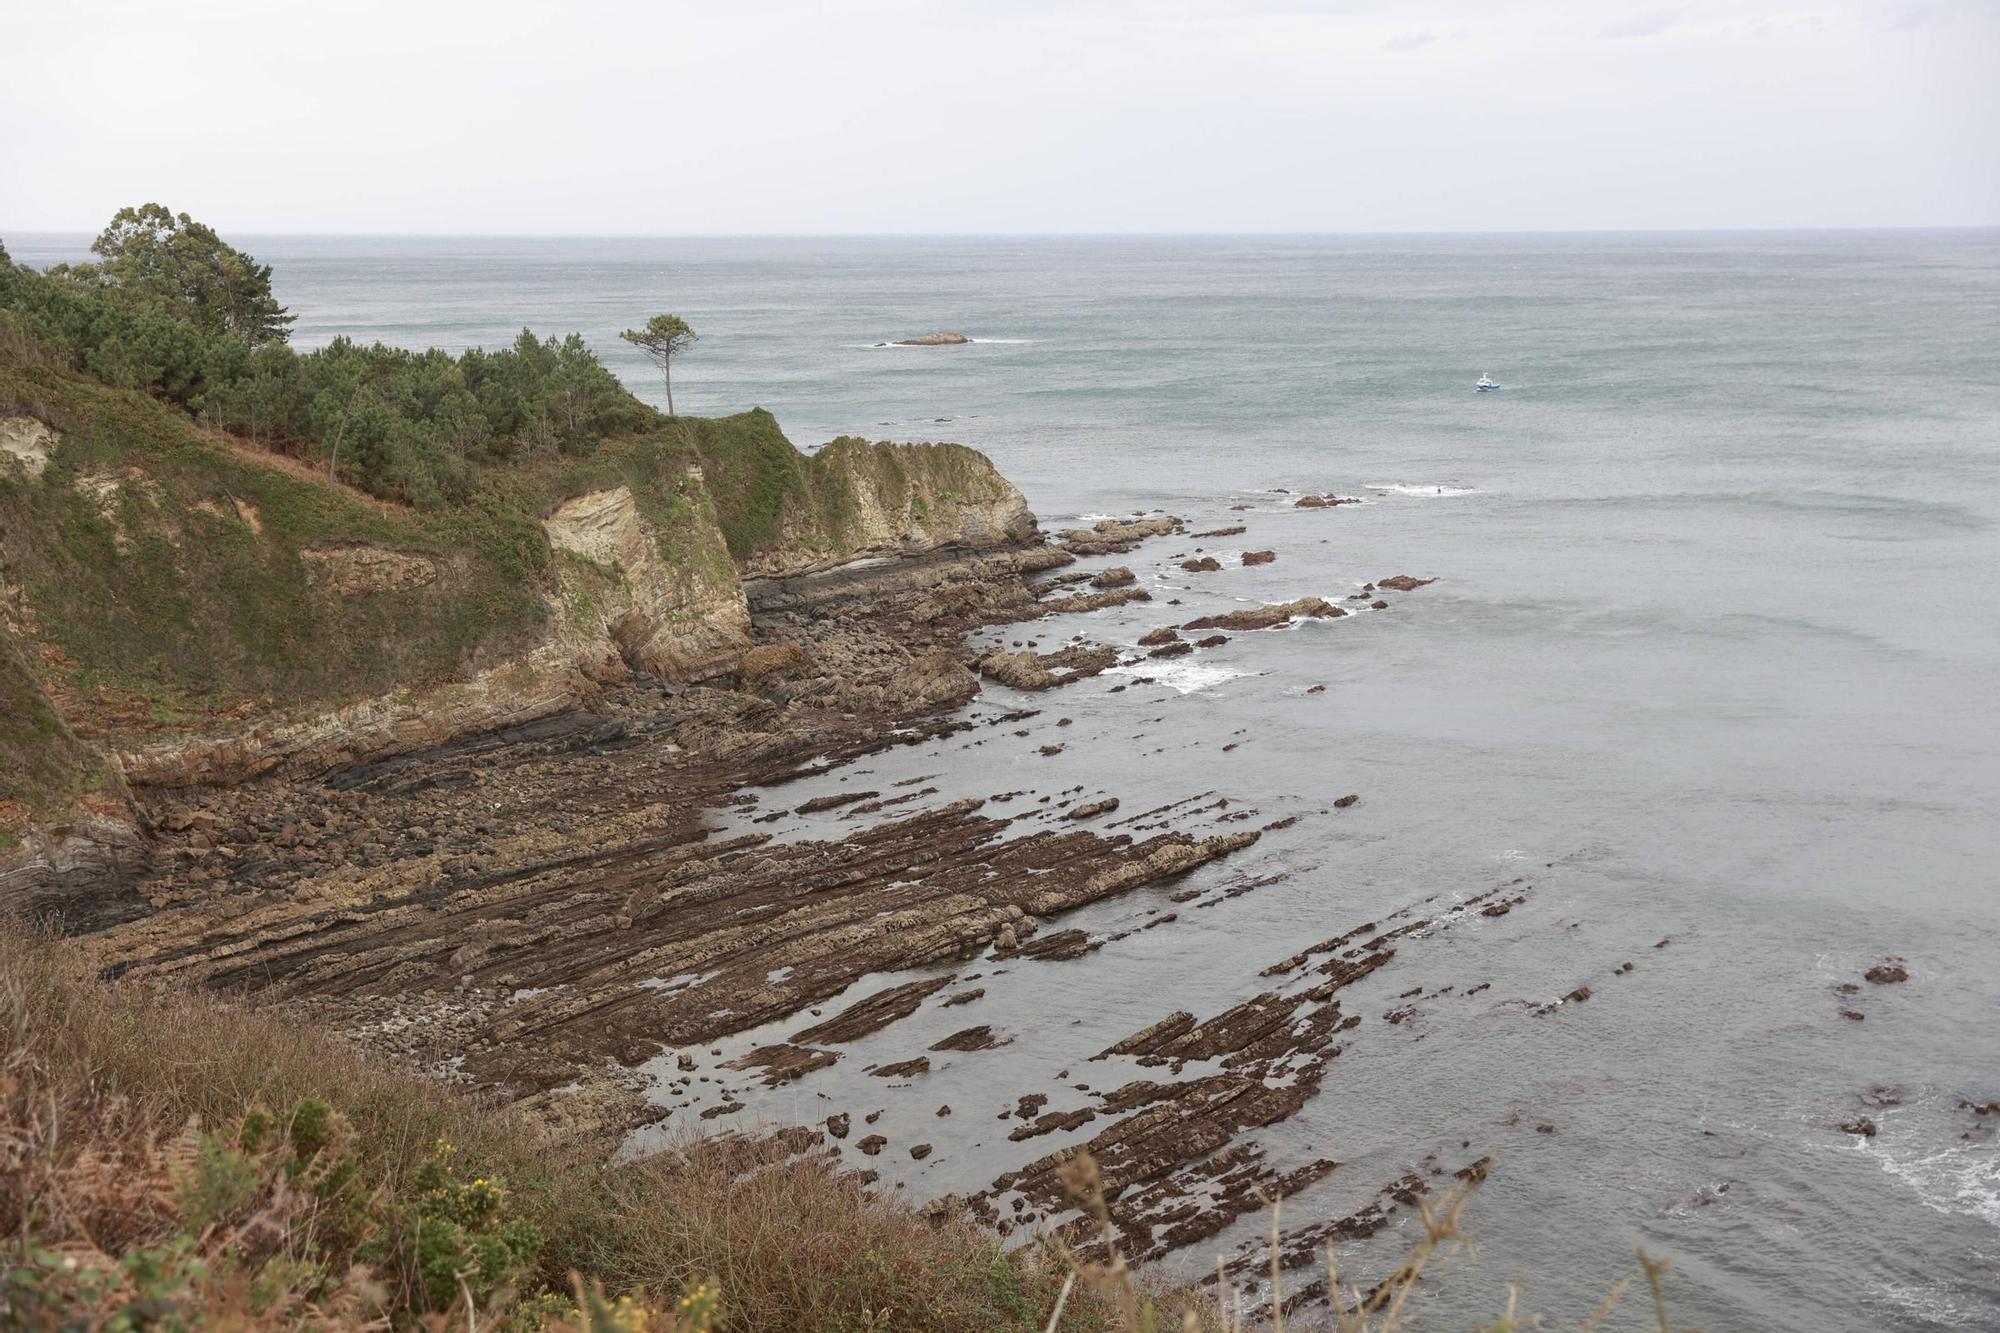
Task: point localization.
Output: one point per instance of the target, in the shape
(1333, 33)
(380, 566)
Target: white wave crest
(1182, 677)
(1429, 491)
(1962, 1179)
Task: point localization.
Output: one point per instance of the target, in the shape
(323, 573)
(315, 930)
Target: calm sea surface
(1714, 657)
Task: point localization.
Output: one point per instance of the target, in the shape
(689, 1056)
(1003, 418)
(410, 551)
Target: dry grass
(110, 1092)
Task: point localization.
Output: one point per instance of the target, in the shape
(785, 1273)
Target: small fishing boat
(1486, 384)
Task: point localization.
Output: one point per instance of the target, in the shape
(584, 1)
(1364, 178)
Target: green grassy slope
(162, 567)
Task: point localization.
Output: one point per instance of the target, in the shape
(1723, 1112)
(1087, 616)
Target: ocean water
(1714, 658)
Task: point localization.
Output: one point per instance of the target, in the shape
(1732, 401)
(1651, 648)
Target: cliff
(785, 513)
(179, 608)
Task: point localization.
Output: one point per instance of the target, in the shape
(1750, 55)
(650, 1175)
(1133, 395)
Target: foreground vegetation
(168, 1161)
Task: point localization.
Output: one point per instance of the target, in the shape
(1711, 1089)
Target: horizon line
(1065, 235)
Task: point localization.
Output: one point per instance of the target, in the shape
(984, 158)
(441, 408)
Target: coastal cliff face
(665, 599)
(785, 513)
(872, 500)
(177, 609)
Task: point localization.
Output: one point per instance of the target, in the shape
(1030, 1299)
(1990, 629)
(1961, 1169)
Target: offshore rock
(1269, 617)
(1115, 536)
(1029, 670)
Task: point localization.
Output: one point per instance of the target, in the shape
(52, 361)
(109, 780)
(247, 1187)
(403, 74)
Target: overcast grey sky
(1001, 115)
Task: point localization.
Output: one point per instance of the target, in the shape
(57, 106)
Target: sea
(1712, 665)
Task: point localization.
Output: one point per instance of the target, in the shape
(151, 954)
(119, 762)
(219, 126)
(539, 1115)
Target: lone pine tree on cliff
(664, 338)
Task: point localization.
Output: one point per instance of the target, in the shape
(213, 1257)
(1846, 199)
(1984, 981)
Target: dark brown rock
(980, 1038)
(1269, 617)
(873, 1014)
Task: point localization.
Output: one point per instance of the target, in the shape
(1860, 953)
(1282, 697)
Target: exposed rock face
(80, 871)
(358, 571)
(1404, 583)
(770, 661)
(1118, 576)
(622, 605)
(1259, 557)
(544, 684)
(27, 443)
(880, 499)
(1269, 617)
(1206, 564)
(680, 621)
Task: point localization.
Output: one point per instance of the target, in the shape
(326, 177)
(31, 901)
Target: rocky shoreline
(548, 910)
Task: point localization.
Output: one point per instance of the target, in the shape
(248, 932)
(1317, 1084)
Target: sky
(602, 117)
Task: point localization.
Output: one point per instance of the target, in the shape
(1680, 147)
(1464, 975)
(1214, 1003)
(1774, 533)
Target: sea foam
(1432, 491)
(1181, 677)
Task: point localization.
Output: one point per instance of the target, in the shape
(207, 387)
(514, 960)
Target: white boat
(1486, 384)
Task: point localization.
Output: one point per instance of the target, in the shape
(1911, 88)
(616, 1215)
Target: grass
(165, 605)
(44, 768)
(150, 1154)
(161, 562)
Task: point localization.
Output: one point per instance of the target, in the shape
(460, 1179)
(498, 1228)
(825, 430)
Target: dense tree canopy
(167, 261)
(172, 311)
